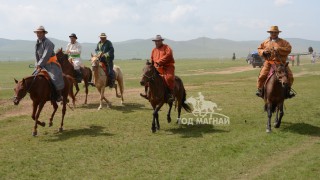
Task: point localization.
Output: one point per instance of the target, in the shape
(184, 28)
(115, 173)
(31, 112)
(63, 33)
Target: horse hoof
(34, 134)
(43, 124)
(276, 125)
(50, 124)
(60, 129)
(153, 130)
(268, 130)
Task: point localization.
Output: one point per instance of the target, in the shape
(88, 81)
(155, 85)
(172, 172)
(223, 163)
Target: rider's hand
(38, 68)
(68, 51)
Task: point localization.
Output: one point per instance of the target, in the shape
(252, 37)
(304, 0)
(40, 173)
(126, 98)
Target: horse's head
(281, 73)
(149, 72)
(20, 91)
(95, 60)
(61, 56)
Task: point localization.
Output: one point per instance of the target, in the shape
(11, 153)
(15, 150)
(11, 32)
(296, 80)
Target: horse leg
(38, 111)
(153, 126)
(101, 98)
(116, 88)
(34, 110)
(268, 130)
(64, 108)
(77, 88)
(179, 113)
(169, 112)
(280, 108)
(55, 107)
(86, 86)
(157, 114)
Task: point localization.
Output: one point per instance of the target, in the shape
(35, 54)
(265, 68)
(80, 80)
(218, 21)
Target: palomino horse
(274, 94)
(67, 68)
(40, 91)
(157, 95)
(100, 79)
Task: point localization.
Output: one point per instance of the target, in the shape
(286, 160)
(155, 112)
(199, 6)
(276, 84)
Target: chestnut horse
(67, 68)
(101, 79)
(274, 94)
(157, 94)
(40, 90)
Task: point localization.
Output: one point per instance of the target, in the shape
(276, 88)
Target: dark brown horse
(67, 68)
(157, 94)
(40, 91)
(274, 94)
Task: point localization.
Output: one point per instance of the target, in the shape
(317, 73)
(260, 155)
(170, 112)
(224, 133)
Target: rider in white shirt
(74, 50)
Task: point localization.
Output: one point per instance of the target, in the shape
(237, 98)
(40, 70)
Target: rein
(151, 78)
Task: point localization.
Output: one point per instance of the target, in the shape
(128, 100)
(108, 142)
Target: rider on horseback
(47, 60)
(164, 63)
(74, 50)
(275, 51)
(105, 47)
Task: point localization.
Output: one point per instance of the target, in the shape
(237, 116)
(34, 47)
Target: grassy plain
(117, 143)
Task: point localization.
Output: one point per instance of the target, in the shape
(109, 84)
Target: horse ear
(91, 55)
(286, 65)
(16, 81)
(152, 62)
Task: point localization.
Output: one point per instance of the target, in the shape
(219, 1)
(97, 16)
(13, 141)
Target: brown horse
(40, 90)
(101, 79)
(157, 94)
(67, 68)
(274, 94)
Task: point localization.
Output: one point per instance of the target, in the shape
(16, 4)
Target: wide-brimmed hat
(40, 29)
(274, 29)
(73, 35)
(103, 35)
(158, 38)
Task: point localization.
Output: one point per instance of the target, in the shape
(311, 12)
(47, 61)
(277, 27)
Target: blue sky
(173, 19)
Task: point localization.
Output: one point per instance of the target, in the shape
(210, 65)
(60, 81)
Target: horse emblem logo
(201, 107)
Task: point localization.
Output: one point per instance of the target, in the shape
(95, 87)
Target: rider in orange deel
(163, 60)
(275, 51)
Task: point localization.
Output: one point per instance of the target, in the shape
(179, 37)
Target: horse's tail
(184, 104)
(70, 83)
(184, 96)
(88, 70)
(119, 78)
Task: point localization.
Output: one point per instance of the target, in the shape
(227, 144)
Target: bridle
(152, 77)
(28, 90)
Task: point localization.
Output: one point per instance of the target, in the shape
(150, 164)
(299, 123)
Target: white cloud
(280, 3)
(253, 23)
(178, 13)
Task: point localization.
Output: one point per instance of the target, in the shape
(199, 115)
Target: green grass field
(117, 143)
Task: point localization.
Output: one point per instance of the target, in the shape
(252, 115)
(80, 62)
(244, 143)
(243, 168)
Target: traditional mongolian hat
(103, 35)
(158, 38)
(274, 29)
(40, 29)
(73, 35)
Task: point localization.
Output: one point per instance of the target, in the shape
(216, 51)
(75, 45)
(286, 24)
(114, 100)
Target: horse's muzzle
(142, 83)
(16, 101)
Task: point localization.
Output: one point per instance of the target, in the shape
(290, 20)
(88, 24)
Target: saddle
(271, 72)
(105, 69)
(45, 74)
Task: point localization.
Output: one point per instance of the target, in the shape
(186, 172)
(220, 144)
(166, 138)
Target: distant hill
(17, 50)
